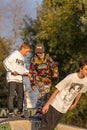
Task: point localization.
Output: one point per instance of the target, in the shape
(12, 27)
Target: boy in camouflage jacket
(42, 68)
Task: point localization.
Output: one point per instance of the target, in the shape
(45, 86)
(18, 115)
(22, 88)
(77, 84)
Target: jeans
(18, 87)
(50, 119)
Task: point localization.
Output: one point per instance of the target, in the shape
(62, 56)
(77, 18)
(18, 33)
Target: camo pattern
(42, 71)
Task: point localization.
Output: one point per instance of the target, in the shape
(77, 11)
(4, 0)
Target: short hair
(82, 62)
(25, 45)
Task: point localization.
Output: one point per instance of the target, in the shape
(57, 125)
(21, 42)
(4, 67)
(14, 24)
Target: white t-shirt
(15, 62)
(68, 88)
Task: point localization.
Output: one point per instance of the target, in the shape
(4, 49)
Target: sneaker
(11, 114)
(38, 111)
(38, 114)
(20, 114)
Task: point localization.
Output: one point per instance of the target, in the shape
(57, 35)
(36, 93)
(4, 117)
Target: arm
(26, 72)
(46, 107)
(53, 66)
(33, 74)
(8, 63)
(76, 101)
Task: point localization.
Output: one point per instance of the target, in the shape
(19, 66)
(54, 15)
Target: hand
(15, 73)
(29, 75)
(55, 74)
(45, 109)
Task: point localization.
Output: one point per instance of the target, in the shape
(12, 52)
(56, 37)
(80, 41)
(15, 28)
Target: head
(25, 48)
(39, 50)
(83, 67)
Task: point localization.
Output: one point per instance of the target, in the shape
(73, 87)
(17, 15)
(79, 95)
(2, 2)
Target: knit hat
(39, 48)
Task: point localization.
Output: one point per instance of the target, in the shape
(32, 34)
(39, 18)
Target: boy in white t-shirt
(65, 97)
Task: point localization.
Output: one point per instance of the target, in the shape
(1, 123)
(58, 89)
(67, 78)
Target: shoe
(11, 114)
(20, 114)
(38, 114)
(38, 111)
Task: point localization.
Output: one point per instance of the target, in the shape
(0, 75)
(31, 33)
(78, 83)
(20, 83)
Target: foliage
(29, 31)
(61, 25)
(77, 117)
(3, 53)
(60, 30)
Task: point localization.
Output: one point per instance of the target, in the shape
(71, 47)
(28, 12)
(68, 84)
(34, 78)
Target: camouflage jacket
(42, 69)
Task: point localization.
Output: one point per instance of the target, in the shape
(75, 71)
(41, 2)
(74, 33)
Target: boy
(15, 67)
(42, 67)
(65, 97)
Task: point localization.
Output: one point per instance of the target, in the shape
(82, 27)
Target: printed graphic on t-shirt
(72, 91)
(42, 66)
(20, 62)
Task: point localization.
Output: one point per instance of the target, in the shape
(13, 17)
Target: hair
(25, 45)
(82, 62)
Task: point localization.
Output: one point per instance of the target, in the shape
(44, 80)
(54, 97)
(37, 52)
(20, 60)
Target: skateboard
(35, 118)
(11, 119)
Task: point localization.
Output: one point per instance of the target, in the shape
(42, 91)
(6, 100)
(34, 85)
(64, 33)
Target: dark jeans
(42, 100)
(18, 87)
(50, 119)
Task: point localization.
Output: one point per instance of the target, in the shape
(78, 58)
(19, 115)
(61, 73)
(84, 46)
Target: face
(40, 55)
(83, 71)
(25, 51)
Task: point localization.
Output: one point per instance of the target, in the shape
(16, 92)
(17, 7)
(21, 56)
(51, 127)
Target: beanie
(39, 48)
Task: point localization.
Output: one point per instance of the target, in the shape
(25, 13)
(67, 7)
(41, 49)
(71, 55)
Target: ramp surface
(31, 125)
(20, 125)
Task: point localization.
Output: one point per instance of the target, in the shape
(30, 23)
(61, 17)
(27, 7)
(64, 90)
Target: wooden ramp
(68, 127)
(22, 124)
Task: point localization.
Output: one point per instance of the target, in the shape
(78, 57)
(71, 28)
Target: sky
(29, 7)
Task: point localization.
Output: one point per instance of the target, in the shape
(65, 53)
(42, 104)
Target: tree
(12, 13)
(62, 29)
(1, 18)
(16, 15)
(4, 51)
(61, 26)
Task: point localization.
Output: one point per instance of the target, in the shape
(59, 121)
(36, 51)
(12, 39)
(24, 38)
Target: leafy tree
(64, 32)
(29, 31)
(3, 53)
(62, 26)
(60, 29)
